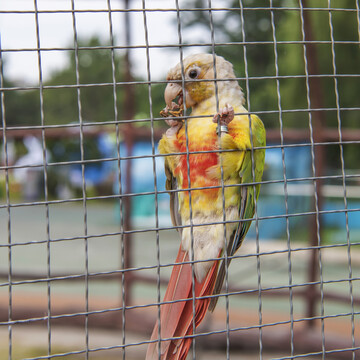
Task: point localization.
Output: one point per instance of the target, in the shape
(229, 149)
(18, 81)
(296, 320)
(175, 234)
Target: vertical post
(129, 112)
(317, 102)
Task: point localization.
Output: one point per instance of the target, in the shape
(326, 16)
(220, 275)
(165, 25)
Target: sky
(18, 31)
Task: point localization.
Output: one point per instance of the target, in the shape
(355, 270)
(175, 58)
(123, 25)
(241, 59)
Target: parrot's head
(193, 70)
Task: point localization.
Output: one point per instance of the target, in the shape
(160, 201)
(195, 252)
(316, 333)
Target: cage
(86, 239)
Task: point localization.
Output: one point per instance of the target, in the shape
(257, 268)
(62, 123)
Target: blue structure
(143, 206)
(271, 207)
(272, 201)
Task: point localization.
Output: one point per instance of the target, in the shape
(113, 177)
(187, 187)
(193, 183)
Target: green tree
(281, 35)
(95, 92)
(22, 107)
(95, 73)
(228, 30)
(256, 21)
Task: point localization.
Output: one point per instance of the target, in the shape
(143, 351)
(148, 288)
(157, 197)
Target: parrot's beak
(171, 92)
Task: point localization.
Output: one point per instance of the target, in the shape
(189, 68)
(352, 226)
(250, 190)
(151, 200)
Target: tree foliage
(84, 89)
(259, 41)
(278, 40)
(256, 39)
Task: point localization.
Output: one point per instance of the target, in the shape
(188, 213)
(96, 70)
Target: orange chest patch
(195, 166)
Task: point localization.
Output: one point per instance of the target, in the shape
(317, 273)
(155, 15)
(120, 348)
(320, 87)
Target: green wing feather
(247, 204)
(171, 184)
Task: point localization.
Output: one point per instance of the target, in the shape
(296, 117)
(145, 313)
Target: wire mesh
(86, 240)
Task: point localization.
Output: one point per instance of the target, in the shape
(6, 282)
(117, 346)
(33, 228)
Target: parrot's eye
(193, 74)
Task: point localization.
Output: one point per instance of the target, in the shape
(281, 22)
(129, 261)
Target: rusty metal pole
(317, 102)
(129, 112)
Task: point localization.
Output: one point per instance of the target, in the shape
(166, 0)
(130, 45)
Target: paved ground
(70, 340)
(68, 253)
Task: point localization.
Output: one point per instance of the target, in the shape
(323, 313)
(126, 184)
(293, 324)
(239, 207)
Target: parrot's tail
(176, 313)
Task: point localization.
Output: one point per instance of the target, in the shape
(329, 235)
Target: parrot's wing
(250, 171)
(246, 213)
(247, 204)
(171, 184)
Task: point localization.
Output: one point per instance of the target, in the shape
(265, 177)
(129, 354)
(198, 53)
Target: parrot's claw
(174, 127)
(223, 118)
(225, 115)
(173, 111)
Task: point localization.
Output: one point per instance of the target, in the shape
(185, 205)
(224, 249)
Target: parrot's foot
(174, 110)
(225, 115)
(175, 125)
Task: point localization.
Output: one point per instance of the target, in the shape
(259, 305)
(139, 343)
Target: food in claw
(175, 110)
(216, 162)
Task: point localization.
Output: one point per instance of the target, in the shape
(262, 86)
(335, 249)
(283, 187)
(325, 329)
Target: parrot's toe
(175, 125)
(225, 115)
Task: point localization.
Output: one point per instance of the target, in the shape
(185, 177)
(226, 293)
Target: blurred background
(84, 219)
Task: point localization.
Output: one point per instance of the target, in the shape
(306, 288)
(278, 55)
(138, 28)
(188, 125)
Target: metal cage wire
(132, 309)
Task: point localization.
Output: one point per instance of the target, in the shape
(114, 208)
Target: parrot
(214, 160)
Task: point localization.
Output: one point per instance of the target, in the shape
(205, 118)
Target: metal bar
(342, 161)
(144, 133)
(129, 112)
(286, 195)
(316, 100)
(4, 137)
(83, 182)
(45, 175)
(275, 336)
(187, 9)
(151, 280)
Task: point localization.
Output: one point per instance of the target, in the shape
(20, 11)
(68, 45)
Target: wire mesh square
(87, 243)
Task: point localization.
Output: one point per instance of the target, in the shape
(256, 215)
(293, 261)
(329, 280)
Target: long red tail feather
(176, 316)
